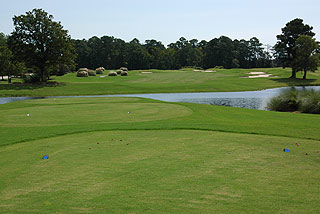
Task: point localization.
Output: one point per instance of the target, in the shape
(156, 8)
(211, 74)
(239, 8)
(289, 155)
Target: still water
(244, 99)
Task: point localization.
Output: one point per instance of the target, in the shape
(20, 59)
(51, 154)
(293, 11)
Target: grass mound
(91, 73)
(82, 74)
(112, 73)
(124, 73)
(100, 70)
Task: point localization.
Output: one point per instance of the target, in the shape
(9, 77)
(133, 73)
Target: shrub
(286, 101)
(310, 102)
(100, 70)
(124, 69)
(112, 73)
(82, 74)
(219, 67)
(83, 69)
(30, 78)
(124, 73)
(91, 73)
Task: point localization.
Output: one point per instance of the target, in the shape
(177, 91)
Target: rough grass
(160, 81)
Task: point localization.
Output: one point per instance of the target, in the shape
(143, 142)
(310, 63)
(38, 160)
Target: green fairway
(160, 81)
(158, 158)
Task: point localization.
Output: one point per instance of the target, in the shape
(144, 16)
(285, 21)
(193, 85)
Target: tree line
(42, 46)
(111, 52)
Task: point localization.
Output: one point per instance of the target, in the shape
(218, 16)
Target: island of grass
(135, 155)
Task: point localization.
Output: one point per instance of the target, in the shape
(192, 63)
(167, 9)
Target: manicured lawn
(159, 158)
(159, 81)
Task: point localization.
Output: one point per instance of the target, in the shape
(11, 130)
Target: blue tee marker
(45, 157)
(286, 150)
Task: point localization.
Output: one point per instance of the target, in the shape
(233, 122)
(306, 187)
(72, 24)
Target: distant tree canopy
(111, 52)
(41, 43)
(8, 66)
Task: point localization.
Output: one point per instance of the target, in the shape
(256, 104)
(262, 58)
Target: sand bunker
(256, 73)
(145, 72)
(209, 71)
(261, 75)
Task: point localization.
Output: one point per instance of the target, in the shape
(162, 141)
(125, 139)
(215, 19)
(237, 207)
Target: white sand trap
(261, 75)
(209, 71)
(146, 72)
(257, 73)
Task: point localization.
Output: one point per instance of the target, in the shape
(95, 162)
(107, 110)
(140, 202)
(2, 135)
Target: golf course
(138, 155)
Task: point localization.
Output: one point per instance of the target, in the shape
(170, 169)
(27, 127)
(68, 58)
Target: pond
(244, 99)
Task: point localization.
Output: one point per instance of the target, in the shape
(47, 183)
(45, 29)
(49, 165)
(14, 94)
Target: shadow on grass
(295, 82)
(29, 86)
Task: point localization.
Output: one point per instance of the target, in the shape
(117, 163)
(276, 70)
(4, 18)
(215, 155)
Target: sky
(168, 20)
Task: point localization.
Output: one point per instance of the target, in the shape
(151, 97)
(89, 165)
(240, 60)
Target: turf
(160, 158)
(159, 81)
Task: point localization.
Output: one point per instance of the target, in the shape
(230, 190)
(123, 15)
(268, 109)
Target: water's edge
(243, 99)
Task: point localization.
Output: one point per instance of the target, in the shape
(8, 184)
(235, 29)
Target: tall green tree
(41, 42)
(307, 58)
(284, 48)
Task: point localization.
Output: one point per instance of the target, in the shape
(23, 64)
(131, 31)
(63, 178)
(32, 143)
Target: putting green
(160, 172)
(51, 112)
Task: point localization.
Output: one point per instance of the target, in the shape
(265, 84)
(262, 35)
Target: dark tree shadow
(29, 86)
(295, 82)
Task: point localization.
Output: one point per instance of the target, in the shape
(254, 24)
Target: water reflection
(244, 99)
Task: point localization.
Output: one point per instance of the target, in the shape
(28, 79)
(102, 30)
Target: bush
(219, 67)
(100, 70)
(91, 73)
(124, 69)
(30, 77)
(112, 73)
(124, 73)
(310, 102)
(286, 101)
(83, 69)
(82, 73)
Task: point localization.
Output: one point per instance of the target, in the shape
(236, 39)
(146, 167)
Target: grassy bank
(159, 158)
(159, 81)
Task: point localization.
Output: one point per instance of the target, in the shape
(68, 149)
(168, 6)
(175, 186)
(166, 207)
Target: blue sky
(168, 20)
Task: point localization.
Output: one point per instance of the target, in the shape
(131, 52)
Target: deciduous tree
(41, 42)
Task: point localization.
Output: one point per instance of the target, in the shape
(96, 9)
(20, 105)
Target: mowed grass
(160, 158)
(160, 81)
(160, 172)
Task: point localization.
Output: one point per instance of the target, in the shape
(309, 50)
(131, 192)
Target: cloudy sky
(168, 20)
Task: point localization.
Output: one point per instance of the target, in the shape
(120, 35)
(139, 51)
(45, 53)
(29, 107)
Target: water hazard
(244, 99)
